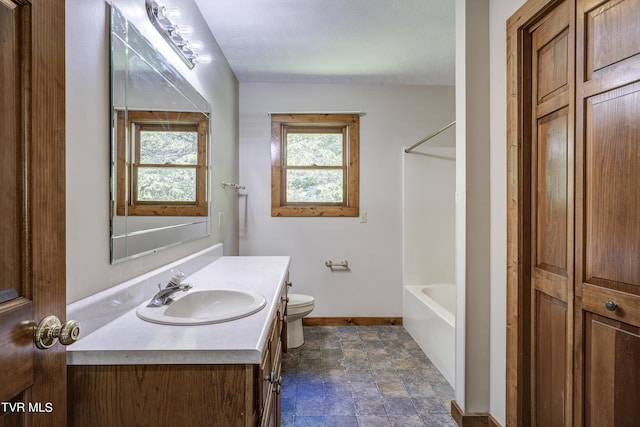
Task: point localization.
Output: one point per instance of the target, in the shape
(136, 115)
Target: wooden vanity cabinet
(271, 367)
(246, 395)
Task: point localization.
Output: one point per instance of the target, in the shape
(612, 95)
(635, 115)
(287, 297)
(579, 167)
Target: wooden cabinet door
(608, 212)
(32, 184)
(611, 357)
(551, 216)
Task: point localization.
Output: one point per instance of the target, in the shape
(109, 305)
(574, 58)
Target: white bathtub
(429, 316)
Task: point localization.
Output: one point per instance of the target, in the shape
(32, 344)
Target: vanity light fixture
(161, 18)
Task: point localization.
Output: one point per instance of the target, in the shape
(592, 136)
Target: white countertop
(127, 339)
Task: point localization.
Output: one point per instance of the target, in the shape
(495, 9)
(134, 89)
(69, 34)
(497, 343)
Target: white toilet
(299, 305)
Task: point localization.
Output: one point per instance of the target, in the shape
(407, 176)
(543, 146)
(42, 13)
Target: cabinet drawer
(612, 304)
(267, 367)
(264, 380)
(271, 408)
(267, 414)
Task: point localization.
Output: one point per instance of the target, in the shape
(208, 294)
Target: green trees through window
(167, 166)
(315, 167)
(315, 164)
(162, 163)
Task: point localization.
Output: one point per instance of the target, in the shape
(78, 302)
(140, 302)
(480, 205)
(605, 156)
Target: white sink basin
(204, 307)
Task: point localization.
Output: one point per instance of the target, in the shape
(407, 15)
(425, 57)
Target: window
(163, 169)
(314, 164)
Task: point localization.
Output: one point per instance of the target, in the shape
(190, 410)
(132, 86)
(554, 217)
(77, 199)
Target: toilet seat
(300, 300)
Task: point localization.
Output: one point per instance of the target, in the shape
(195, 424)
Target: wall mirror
(159, 149)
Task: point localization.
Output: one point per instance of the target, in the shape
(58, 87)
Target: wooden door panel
(551, 186)
(32, 184)
(550, 62)
(612, 190)
(612, 382)
(607, 219)
(16, 343)
(551, 217)
(551, 362)
(552, 284)
(540, 276)
(608, 44)
(10, 244)
(552, 66)
(611, 28)
(551, 198)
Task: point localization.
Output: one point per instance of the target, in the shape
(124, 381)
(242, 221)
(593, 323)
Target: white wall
(428, 212)
(87, 151)
(396, 116)
(470, 61)
(472, 206)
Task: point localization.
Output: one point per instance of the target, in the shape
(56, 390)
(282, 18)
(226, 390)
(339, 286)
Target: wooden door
(588, 291)
(540, 229)
(551, 39)
(32, 184)
(608, 214)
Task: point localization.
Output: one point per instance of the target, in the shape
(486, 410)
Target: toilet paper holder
(233, 185)
(330, 264)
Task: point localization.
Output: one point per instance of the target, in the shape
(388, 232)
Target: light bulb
(202, 59)
(195, 45)
(183, 30)
(171, 12)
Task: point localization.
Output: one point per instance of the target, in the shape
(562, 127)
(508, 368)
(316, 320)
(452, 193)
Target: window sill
(315, 211)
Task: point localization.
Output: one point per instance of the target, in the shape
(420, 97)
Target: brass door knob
(50, 331)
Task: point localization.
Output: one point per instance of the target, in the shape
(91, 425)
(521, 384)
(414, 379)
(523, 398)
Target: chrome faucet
(163, 296)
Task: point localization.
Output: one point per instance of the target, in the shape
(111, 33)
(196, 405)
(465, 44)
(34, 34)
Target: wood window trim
(350, 205)
(126, 204)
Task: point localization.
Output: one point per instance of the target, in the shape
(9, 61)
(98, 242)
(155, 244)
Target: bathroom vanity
(133, 372)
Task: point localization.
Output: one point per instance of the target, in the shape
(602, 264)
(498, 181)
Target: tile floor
(361, 376)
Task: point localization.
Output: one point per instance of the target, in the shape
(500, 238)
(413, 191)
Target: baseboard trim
(352, 321)
(472, 420)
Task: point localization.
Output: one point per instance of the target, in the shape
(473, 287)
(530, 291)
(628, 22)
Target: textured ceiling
(336, 41)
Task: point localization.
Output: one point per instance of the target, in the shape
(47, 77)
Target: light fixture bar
(174, 34)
